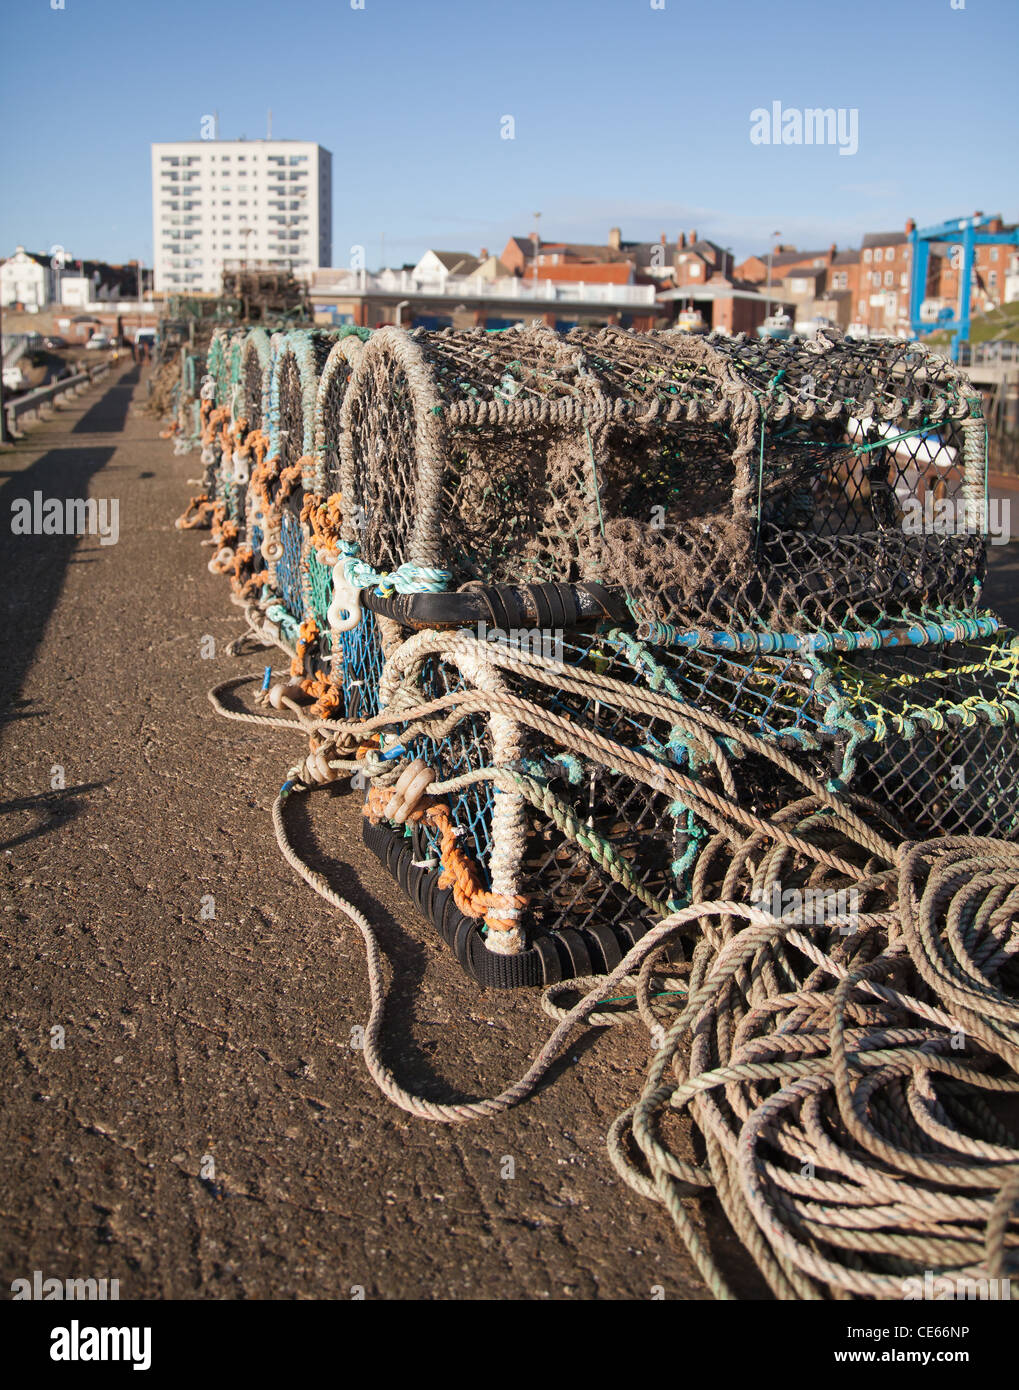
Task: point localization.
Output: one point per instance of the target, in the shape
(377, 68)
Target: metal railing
(31, 402)
(988, 354)
(476, 287)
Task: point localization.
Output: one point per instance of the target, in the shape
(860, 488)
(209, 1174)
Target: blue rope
(406, 579)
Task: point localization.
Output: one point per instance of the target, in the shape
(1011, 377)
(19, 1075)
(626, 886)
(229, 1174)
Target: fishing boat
(691, 321)
(778, 325)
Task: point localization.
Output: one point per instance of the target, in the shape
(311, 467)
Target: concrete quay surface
(188, 1039)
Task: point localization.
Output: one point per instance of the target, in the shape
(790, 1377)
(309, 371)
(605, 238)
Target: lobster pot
(718, 485)
(188, 404)
(234, 356)
(496, 456)
(231, 474)
(929, 734)
(353, 660)
(248, 354)
(853, 446)
(254, 507)
(319, 552)
(927, 730)
(582, 913)
(298, 360)
(214, 361)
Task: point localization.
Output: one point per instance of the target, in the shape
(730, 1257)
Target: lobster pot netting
(317, 503)
(332, 388)
(254, 378)
(188, 404)
(933, 733)
(215, 364)
(232, 469)
(297, 366)
(599, 846)
(852, 441)
(668, 467)
(593, 847)
(279, 487)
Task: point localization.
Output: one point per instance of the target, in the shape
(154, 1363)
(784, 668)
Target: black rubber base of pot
(552, 956)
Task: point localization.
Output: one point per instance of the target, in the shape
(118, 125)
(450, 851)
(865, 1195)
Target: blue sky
(624, 115)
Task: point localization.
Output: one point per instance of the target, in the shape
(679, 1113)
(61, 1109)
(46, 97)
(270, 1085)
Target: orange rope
(459, 871)
(255, 582)
(216, 417)
(261, 476)
(255, 440)
(325, 692)
(290, 480)
(307, 633)
(323, 516)
(233, 565)
(326, 695)
(226, 532)
(242, 558)
(203, 509)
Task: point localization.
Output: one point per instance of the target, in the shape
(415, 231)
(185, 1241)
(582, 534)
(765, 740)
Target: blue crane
(961, 231)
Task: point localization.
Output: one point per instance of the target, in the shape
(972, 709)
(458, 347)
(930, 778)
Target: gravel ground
(207, 1130)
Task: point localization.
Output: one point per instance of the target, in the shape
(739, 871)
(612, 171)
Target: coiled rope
(848, 1073)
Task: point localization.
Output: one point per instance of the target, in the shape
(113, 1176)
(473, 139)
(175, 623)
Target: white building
(1012, 279)
(435, 266)
(266, 202)
(26, 280)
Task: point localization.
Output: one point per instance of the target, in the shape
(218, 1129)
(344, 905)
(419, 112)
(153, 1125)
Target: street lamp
(537, 243)
(770, 252)
(58, 260)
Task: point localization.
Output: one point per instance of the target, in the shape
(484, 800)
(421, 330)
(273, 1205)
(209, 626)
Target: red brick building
(990, 267)
(783, 259)
(698, 260)
(525, 256)
(882, 301)
(589, 272)
(686, 261)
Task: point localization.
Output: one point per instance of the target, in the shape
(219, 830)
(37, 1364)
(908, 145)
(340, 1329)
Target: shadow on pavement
(33, 567)
(54, 809)
(109, 412)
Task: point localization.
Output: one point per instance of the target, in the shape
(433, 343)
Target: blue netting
(463, 750)
(362, 667)
(770, 695)
(288, 567)
(320, 595)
